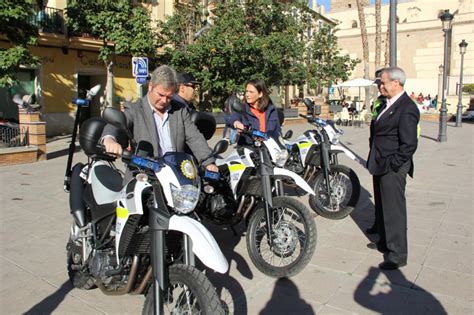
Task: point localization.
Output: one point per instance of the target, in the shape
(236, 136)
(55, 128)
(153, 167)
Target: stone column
(36, 131)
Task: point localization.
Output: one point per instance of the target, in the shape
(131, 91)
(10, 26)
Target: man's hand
(111, 146)
(212, 168)
(239, 126)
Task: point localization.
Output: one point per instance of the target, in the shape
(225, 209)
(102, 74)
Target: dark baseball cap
(186, 78)
(378, 76)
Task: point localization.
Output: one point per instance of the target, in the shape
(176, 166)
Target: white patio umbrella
(359, 82)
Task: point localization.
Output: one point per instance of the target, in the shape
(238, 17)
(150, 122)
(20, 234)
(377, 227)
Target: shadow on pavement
(429, 138)
(60, 153)
(228, 288)
(286, 300)
(51, 302)
(384, 298)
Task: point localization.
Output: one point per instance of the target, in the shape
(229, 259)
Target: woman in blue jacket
(260, 113)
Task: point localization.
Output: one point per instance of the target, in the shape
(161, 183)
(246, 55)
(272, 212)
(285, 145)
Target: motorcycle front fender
(338, 148)
(298, 179)
(203, 243)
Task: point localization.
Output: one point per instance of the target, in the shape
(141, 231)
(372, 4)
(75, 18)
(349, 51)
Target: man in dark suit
(393, 143)
(162, 122)
(376, 108)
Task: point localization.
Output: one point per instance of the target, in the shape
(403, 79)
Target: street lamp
(440, 84)
(446, 18)
(462, 51)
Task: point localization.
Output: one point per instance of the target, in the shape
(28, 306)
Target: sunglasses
(193, 86)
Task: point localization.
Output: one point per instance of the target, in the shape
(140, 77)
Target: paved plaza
(342, 277)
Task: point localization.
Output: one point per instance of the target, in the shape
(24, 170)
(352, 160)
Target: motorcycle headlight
(281, 158)
(185, 198)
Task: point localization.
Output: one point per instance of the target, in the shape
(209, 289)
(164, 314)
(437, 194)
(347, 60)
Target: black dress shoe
(371, 230)
(381, 249)
(388, 265)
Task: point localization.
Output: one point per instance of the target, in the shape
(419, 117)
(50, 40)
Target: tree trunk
(365, 46)
(387, 44)
(378, 33)
(109, 97)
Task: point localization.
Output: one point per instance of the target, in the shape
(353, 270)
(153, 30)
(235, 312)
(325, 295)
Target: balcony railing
(48, 20)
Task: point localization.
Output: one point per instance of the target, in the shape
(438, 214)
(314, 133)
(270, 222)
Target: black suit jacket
(394, 137)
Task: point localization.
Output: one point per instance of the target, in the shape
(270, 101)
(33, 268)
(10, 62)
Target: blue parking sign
(140, 80)
(140, 66)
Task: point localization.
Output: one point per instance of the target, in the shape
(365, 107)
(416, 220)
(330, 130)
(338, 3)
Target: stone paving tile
(330, 310)
(337, 259)
(460, 229)
(450, 283)
(431, 225)
(450, 260)
(420, 237)
(453, 243)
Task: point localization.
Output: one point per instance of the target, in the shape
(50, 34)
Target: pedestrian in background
(187, 86)
(393, 143)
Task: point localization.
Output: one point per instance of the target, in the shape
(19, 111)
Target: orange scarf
(261, 117)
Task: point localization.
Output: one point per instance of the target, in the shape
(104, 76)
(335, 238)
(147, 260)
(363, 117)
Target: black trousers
(391, 213)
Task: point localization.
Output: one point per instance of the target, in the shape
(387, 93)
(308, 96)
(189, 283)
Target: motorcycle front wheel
(344, 193)
(293, 237)
(189, 292)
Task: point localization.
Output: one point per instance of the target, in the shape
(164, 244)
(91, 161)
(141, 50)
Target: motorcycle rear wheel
(189, 292)
(345, 192)
(294, 238)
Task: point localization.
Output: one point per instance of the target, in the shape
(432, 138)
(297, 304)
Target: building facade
(420, 41)
(69, 66)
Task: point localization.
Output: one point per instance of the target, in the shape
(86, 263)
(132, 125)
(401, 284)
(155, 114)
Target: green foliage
(20, 33)
(124, 28)
(325, 63)
(468, 88)
(258, 40)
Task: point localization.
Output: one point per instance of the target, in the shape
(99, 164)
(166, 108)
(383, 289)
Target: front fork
(326, 165)
(266, 170)
(159, 222)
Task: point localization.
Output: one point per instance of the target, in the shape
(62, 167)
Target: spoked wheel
(345, 192)
(294, 238)
(189, 293)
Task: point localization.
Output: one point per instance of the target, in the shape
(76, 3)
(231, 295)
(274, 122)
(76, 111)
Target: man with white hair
(393, 143)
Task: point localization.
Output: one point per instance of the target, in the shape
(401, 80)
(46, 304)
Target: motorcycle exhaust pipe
(131, 281)
(76, 204)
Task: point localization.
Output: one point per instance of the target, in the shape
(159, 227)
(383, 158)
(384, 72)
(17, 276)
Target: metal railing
(47, 19)
(13, 136)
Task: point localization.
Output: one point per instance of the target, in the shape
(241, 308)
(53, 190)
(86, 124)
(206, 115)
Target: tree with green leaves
(123, 26)
(257, 40)
(20, 32)
(326, 64)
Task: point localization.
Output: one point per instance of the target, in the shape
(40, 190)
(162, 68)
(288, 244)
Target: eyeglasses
(193, 86)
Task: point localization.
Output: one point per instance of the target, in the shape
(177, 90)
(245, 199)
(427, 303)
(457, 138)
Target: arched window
(354, 24)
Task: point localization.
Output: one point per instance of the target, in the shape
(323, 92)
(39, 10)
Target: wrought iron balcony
(48, 20)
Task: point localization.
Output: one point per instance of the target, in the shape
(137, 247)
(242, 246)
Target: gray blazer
(182, 130)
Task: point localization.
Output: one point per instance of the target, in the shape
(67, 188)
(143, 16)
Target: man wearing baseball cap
(186, 91)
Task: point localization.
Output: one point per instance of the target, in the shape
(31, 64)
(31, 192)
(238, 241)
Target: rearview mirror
(309, 103)
(220, 147)
(93, 92)
(288, 134)
(235, 104)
